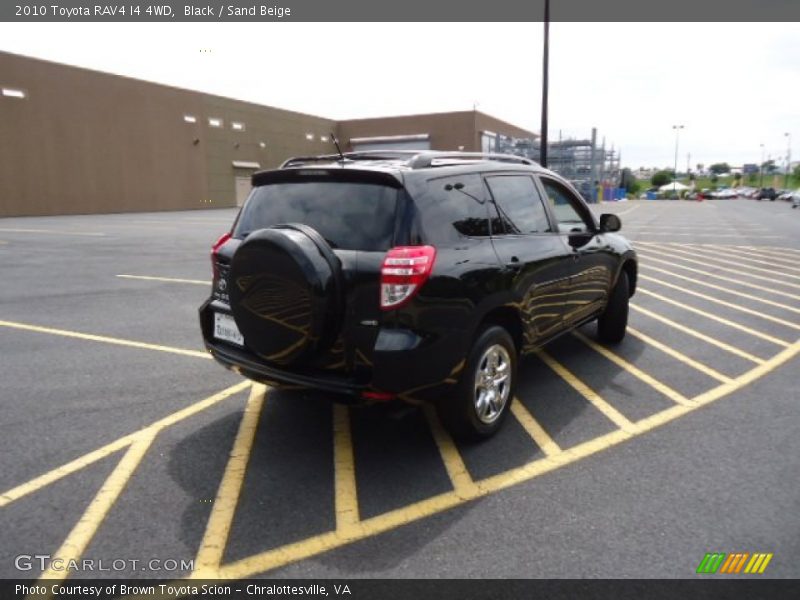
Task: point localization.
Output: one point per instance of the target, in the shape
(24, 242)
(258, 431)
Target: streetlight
(761, 168)
(788, 159)
(677, 129)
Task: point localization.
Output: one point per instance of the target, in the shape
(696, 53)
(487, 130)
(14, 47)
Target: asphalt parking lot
(120, 439)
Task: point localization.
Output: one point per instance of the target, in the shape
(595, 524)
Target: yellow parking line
(215, 538)
(722, 289)
(81, 535)
(742, 251)
(536, 431)
(670, 250)
(713, 373)
(714, 256)
(698, 335)
(168, 279)
(647, 258)
(588, 393)
(461, 480)
(708, 315)
(104, 339)
(780, 251)
(53, 231)
(92, 457)
(635, 371)
(629, 210)
(290, 553)
(727, 252)
(346, 492)
(731, 305)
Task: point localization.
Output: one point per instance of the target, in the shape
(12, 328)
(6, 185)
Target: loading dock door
(242, 189)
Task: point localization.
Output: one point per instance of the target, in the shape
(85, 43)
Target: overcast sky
(733, 85)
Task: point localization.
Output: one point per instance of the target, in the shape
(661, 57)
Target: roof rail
(425, 159)
(414, 159)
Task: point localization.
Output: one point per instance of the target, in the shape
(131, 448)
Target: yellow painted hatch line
(215, 538)
(635, 371)
(725, 303)
(461, 480)
(345, 486)
(290, 553)
(81, 535)
(647, 258)
(697, 365)
(772, 250)
(167, 279)
(713, 317)
(534, 429)
(777, 260)
(722, 289)
(707, 263)
(104, 339)
(725, 252)
(698, 335)
(736, 263)
(92, 457)
(588, 393)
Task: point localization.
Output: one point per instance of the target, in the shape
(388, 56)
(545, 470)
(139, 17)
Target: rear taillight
(403, 272)
(215, 248)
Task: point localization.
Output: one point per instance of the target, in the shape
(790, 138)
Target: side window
(453, 208)
(518, 205)
(565, 207)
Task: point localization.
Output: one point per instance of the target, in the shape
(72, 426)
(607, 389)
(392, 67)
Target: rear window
(350, 216)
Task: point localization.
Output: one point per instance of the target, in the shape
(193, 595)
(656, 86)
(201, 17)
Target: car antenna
(336, 143)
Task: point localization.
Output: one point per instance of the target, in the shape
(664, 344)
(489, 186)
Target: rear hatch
(355, 213)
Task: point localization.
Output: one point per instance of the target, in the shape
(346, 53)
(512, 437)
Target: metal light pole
(761, 168)
(545, 78)
(788, 159)
(677, 129)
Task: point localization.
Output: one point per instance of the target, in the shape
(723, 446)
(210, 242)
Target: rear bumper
(243, 363)
(402, 363)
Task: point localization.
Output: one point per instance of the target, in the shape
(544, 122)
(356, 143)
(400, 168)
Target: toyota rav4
(413, 276)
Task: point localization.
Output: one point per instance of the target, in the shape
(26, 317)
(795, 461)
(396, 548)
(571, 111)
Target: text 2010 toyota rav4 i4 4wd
(418, 276)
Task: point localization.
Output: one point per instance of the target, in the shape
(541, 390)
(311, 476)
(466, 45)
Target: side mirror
(610, 222)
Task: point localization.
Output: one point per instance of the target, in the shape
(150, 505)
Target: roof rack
(425, 159)
(413, 159)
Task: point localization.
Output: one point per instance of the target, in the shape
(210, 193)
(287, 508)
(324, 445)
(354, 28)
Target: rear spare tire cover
(286, 295)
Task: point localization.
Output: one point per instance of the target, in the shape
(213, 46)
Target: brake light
(215, 248)
(403, 272)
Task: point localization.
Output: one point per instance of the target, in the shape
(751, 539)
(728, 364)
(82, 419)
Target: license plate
(225, 329)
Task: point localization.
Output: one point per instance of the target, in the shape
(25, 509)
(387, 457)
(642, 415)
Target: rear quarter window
(453, 208)
(350, 216)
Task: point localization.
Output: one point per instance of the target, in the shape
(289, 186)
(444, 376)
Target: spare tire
(287, 295)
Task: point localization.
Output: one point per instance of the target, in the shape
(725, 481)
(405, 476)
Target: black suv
(412, 276)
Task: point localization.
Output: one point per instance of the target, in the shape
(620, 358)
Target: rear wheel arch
(506, 317)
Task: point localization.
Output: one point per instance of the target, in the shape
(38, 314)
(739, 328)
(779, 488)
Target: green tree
(714, 178)
(769, 166)
(719, 168)
(661, 178)
(737, 179)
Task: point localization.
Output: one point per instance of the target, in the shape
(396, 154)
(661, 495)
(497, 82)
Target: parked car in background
(767, 194)
(796, 198)
(785, 195)
(725, 194)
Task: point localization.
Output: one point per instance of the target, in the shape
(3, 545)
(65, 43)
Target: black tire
(612, 324)
(459, 412)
